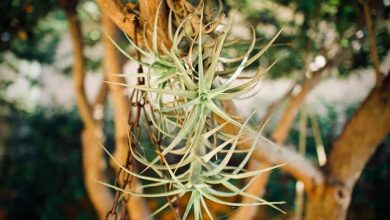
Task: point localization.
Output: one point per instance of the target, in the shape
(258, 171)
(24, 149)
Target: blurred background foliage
(40, 152)
(309, 27)
(41, 172)
(30, 28)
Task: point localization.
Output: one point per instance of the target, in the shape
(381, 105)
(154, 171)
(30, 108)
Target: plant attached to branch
(185, 85)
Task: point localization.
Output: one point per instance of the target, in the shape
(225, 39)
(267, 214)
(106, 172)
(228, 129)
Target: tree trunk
(93, 167)
(148, 10)
(350, 153)
(115, 11)
(136, 206)
(280, 134)
(93, 163)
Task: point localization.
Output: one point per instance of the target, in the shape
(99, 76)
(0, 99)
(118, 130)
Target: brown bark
(93, 166)
(148, 12)
(282, 130)
(93, 163)
(350, 153)
(85, 110)
(136, 206)
(115, 12)
(121, 105)
(149, 9)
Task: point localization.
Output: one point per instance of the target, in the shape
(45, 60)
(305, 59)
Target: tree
(319, 184)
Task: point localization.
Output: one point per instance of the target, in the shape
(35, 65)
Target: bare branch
(372, 42)
(79, 69)
(281, 131)
(101, 96)
(298, 166)
(274, 106)
(100, 196)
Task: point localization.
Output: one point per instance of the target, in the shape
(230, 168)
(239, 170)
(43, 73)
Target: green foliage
(304, 20)
(24, 31)
(41, 172)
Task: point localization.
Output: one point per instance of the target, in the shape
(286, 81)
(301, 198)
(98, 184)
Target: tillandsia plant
(185, 85)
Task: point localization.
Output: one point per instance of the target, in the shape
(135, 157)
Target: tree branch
(297, 165)
(101, 96)
(85, 108)
(279, 135)
(372, 42)
(137, 207)
(282, 129)
(93, 167)
(148, 12)
(114, 11)
(361, 136)
(350, 154)
(92, 153)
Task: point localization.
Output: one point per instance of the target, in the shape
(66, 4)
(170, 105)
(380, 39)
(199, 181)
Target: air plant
(185, 85)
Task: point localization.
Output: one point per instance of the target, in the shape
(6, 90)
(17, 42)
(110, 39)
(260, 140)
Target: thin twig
(372, 42)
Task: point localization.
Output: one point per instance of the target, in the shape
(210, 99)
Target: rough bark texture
(115, 12)
(149, 9)
(136, 206)
(350, 153)
(93, 165)
(148, 12)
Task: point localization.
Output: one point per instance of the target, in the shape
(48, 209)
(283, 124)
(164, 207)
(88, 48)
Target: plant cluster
(185, 86)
